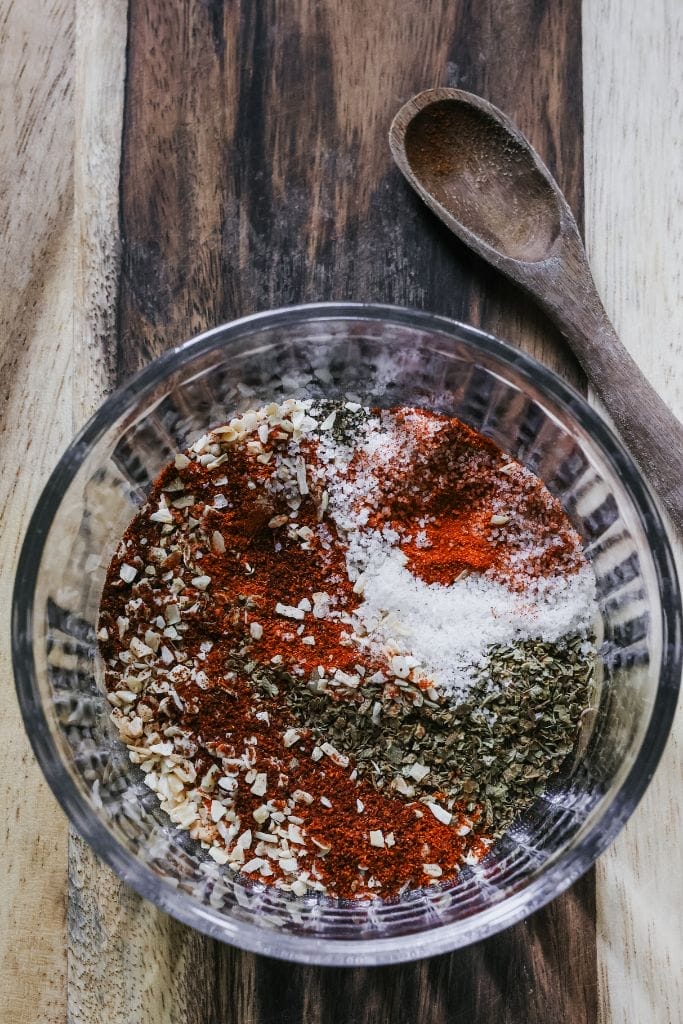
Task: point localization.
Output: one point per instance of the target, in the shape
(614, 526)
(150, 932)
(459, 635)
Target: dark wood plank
(538, 971)
(256, 173)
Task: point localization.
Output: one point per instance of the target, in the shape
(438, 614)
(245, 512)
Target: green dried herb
(497, 749)
(347, 422)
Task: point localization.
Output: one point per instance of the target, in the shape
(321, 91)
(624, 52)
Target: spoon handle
(647, 425)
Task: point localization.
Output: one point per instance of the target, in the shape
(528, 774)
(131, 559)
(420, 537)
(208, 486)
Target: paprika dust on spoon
(347, 646)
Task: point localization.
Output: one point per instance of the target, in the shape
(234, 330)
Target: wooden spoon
(481, 176)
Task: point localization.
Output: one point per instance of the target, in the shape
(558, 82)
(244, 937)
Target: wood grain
(634, 218)
(256, 170)
(517, 976)
(100, 68)
(36, 282)
(256, 173)
(350, 235)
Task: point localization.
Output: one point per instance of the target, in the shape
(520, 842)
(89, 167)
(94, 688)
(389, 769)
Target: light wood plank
(36, 278)
(128, 961)
(633, 96)
(100, 71)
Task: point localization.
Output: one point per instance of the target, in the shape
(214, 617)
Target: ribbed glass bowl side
(378, 356)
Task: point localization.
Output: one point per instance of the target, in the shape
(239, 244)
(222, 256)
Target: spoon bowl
(482, 177)
(457, 151)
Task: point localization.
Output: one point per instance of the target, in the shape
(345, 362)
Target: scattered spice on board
(347, 647)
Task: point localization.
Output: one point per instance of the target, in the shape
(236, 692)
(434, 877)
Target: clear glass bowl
(379, 356)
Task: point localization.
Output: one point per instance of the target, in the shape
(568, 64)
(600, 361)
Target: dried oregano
(497, 749)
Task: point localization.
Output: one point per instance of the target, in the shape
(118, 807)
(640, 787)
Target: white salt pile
(447, 630)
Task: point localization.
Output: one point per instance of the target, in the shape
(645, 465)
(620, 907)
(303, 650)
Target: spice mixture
(347, 646)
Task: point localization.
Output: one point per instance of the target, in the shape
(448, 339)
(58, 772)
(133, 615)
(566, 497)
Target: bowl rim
(565, 870)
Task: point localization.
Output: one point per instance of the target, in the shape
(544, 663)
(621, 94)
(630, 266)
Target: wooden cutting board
(255, 173)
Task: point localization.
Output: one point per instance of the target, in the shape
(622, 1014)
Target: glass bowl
(379, 356)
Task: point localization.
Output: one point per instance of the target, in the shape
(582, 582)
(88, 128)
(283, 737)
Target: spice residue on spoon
(347, 646)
